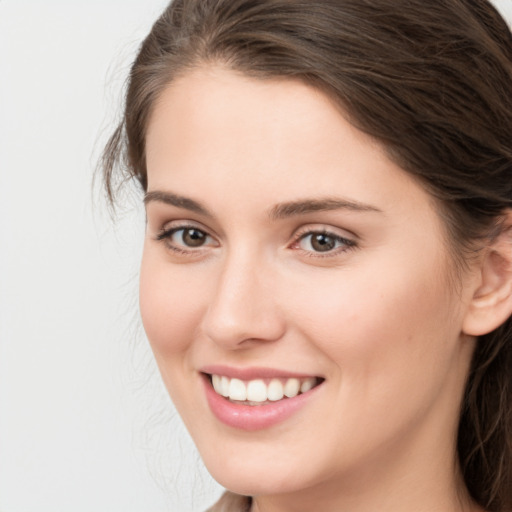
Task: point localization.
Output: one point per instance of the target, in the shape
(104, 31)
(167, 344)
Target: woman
(326, 280)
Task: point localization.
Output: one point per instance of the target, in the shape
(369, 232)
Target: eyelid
(175, 225)
(320, 227)
(327, 229)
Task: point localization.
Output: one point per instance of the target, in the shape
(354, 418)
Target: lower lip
(254, 417)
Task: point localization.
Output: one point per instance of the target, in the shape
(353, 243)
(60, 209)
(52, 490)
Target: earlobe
(491, 303)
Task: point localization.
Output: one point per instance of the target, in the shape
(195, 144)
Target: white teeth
(307, 385)
(292, 388)
(216, 384)
(224, 386)
(275, 390)
(237, 390)
(257, 391)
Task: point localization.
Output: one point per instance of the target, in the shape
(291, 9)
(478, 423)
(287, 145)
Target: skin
(378, 317)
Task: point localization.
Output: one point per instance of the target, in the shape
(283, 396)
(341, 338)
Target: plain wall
(85, 424)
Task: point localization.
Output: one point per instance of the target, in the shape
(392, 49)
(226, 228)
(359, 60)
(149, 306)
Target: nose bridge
(243, 307)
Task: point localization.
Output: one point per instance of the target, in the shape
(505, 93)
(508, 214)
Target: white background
(84, 422)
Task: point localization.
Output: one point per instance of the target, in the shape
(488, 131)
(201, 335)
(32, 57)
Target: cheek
(392, 345)
(170, 306)
(383, 329)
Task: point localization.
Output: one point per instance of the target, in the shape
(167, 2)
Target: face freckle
(372, 318)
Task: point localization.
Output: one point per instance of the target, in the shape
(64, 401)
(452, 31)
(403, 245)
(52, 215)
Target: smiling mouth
(261, 391)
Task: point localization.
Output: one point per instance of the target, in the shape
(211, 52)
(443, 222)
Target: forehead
(219, 134)
(219, 105)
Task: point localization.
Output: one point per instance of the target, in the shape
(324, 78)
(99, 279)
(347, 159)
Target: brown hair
(429, 80)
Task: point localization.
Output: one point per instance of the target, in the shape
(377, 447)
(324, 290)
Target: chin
(260, 475)
(246, 482)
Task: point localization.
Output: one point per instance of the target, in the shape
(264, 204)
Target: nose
(243, 309)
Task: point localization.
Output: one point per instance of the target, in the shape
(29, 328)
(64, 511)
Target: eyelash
(346, 244)
(166, 235)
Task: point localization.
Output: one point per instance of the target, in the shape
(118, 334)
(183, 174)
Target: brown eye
(192, 237)
(186, 238)
(320, 242)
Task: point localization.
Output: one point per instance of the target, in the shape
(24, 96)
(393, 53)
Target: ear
(491, 303)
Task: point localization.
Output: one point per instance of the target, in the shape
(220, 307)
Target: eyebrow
(176, 200)
(305, 206)
(279, 211)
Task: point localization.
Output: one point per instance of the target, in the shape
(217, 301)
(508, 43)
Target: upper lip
(251, 373)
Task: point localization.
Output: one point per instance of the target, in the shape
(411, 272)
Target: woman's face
(284, 250)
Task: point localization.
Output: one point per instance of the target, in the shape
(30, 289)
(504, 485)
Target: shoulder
(230, 502)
